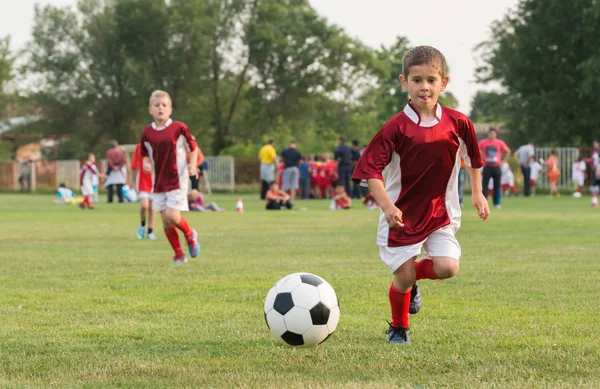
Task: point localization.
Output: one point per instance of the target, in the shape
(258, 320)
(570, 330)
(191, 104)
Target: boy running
(166, 143)
(418, 149)
(143, 185)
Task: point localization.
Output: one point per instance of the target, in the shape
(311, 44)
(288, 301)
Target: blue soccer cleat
(193, 244)
(398, 334)
(140, 232)
(179, 258)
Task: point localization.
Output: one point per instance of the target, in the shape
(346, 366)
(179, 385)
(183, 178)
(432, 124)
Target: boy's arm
(477, 198)
(193, 165)
(147, 165)
(393, 215)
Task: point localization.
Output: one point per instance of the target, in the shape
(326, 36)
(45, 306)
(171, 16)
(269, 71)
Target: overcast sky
(452, 26)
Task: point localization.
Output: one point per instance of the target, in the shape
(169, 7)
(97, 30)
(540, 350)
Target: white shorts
(87, 189)
(175, 199)
(144, 195)
(440, 243)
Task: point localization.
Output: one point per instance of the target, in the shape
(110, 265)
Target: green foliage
(489, 107)
(546, 56)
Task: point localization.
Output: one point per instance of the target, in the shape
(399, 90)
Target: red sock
(578, 188)
(514, 189)
(424, 269)
(173, 237)
(184, 227)
(86, 201)
(400, 302)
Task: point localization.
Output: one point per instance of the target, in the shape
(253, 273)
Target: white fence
(221, 172)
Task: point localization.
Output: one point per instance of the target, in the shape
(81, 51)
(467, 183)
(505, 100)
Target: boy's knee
(446, 268)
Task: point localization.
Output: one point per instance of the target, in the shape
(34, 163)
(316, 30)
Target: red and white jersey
(87, 173)
(578, 170)
(167, 147)
(536, 167)
(143, 181)
(421, 162)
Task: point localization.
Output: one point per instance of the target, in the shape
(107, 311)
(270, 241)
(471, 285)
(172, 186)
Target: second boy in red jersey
(165, 146)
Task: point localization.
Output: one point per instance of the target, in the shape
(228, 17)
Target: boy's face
(274, 187)
(161, 109)
(424, 85)
(92, 158)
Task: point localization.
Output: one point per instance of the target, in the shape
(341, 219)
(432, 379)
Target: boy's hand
(481, 204)
(147, 166)
(192, 170)
(393, 216)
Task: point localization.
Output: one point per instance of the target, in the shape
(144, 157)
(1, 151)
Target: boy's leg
(120, 192)
(440, 257)
(151, 221)
(399, 295)
(177, 202)
(144, 203)
(172, 236)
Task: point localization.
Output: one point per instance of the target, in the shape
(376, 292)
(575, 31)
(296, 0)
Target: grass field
(83, 303)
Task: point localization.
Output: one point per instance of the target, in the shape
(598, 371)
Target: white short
(440, 243)
(87, 189)
(175, 199)
(144, 195)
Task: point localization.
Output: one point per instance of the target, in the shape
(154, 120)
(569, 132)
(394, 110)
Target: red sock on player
(173, 238)
(87, 202)
(184, 227)
(399, 302)
(424, 269)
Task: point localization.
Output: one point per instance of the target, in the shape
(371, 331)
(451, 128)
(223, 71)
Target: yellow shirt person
(267, 156)
(267, 153)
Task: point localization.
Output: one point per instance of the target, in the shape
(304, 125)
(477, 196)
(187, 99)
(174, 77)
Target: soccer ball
(302, 310)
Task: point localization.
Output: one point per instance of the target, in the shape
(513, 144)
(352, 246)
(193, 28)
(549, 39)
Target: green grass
(85, 304)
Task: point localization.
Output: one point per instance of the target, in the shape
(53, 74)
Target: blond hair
(158, 94)
(424, 55)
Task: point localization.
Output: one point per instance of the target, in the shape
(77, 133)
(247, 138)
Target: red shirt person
(494, 152)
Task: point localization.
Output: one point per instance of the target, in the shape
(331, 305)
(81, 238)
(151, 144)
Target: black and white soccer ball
(302, 310)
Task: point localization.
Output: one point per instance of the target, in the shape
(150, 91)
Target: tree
(545, 54)
(488, 107)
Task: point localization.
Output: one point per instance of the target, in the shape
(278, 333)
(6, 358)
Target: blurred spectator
(356, 188)
(267, 156)
(196, 203)
(340, 199)
(25, 177)
(305, 170)
(277, 198)
(115, 159)
(522, 155)
(343, 158)
(291, 174)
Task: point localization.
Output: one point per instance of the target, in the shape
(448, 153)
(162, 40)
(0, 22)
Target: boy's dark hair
(553, 152)
(354, 142)
(492, 129)
(61, 185)
(271, 141)
(424, 55)
(273, 183)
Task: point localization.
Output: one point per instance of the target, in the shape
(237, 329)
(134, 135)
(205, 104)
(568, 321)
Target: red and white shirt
(143, 180)
(167, 147)
(87, 173)
(421, 162)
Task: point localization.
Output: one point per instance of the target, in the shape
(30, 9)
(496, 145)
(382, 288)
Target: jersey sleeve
(136, 157)
(377, 154)
(143, 148)
(190, 141)
(470, 148)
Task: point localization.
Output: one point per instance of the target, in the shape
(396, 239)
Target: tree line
(240, 71)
